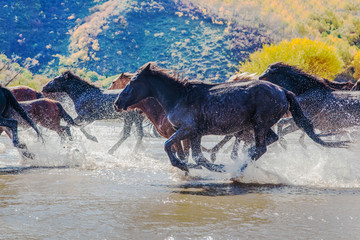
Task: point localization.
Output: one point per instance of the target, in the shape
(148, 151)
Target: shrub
(314, 57)
(356, 65)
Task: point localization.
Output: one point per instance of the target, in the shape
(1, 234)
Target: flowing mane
(302, 77)
(75, 78)
(243, 77)
(171, 79)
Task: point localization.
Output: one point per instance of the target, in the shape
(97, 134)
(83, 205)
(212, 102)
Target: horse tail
(20, 110)
(304, 123)
(39, 95)
(65, 116)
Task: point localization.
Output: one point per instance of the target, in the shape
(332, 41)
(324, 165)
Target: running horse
(328, 109)
(92, 103)
(196, 109)
(8, 101)
(47, 113)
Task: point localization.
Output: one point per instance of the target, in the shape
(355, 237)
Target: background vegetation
(204, 39)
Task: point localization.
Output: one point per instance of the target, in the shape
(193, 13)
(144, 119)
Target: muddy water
(81, 192)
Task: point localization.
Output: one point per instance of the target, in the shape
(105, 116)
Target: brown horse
(196, 109)
(47, 113)
(121, 81)
(24, 93)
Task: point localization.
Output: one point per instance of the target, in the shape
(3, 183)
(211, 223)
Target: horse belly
(227, 121)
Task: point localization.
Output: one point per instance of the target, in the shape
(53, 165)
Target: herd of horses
(245, 107)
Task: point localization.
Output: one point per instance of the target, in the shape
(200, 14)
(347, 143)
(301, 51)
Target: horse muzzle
(119, 108)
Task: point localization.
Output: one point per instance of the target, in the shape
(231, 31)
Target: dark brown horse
(25, 93)
(196, 109)
(8, 102)
(329, 110)
(47, 113)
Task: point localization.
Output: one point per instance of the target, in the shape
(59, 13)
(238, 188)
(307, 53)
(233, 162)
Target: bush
(315, 57)
(356, 65)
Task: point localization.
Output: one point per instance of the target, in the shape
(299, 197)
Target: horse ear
(122, 74)
(66, 75)
(147, 68)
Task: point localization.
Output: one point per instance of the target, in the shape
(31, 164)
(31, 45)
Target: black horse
(196, 109)
(329, 110)
(8, 101)
(92, 103)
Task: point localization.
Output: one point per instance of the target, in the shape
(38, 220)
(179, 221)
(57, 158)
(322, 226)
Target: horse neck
(167, 91)
(77, 90)
(152, 110)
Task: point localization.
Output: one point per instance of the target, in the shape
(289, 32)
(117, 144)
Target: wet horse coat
(92, 103)
(196, 109)
(325, 107)
(8, 101)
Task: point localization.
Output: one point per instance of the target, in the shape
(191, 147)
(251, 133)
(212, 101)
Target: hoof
(28, 155)
(94, 139)
(182, 166)
(111, 152)
(213, 157)
(283, 143)
(20, 145)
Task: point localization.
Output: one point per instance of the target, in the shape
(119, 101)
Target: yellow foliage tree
(314, 57)
(356, 65)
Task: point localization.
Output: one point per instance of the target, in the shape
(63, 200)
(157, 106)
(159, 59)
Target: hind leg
(261, 135)
(65, 133)
(217, 147)
(125, 134)
(199, 157)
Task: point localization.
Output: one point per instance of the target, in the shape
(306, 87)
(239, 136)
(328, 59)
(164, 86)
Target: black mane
(79, 80)
(312, 81)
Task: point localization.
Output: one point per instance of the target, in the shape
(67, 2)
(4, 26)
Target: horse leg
(261, 134)
(125, 134)
(271, 137)
(12, 124)
(138, 118)
(234, 153)
(88, 135)
(180, 134)
(289, 129)
(186, 148)
(302, 140)
(217, 147)
(64, 132)
(199, 157)
(178, 149)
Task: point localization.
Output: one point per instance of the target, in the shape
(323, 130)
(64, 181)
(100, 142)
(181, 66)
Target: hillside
(204, 39)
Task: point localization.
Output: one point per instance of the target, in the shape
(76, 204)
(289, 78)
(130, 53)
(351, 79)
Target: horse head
(57, 84)
(136, 90)
(121, 81)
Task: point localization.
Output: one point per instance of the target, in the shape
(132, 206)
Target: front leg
(180, 134)
(79, 120)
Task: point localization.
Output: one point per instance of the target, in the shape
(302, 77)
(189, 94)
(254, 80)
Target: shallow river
(81, 192)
